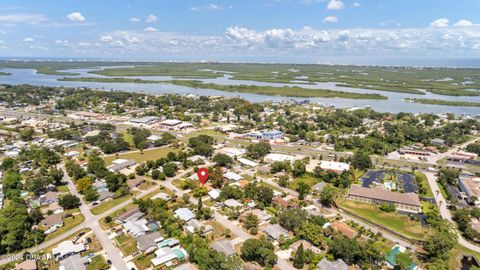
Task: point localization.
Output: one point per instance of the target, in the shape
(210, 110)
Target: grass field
(104, 206)
(310, 181)
(393, 221)
(68, 224)
(149, 154)
(97, 263)
(62, 189)
(127, 244)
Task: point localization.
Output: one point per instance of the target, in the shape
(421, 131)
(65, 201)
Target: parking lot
(405, 181)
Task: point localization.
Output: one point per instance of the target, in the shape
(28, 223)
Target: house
(232, 176)
(334, 166)
(408, 202)
(104, 194)
(194, 225)
(232, 203)
(136, 227)
(197, 159)
(344, 229)
(27, 265)
(75, 262)
(184, 214)
(261, 215)
(49, 197)
(214, 194)
(224, 246)
(147, 243)
(162, 195)
(275, 232)
(167, 257)
(133, 213)
(55, 208)
(438, 142)
(325, 264)
(247, 162)
(67, 248)
(120, 164)
(152, 138)
(273, 157)
(52, 223)
(133, 183)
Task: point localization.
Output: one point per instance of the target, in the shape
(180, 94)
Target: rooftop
(382, 194)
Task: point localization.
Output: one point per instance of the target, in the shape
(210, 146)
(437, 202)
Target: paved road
(444, 212)
(91, 221)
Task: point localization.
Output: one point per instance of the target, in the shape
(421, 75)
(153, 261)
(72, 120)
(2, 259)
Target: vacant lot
(393, 221)
(139, 157)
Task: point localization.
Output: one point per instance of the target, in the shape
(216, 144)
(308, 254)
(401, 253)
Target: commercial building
(265, 135)
(120, 164)
(408, 202)
(471, 187)
(334, 166)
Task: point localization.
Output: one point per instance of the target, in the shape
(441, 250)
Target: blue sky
(313, 31)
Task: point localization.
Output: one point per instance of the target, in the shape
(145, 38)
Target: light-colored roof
(52, 220)
(233, 176)
(334, 166)
(214, 193)
(148, 240)
(224, 246)
(27, 265)
(382, 194)
(74, 262)
(232, 203)
(325, 264)
(344, 229)
(184, 214)
(275, 231)
(67, 247)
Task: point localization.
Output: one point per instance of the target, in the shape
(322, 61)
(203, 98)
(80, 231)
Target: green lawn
(62, 189)
(149, 154)
(421, 177)
(97, 263)
(127, 244)
(393, 221)
(309, 180)
(104, 206)
(144, 261)
(68, 224)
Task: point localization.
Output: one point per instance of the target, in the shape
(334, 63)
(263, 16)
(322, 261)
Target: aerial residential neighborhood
(239, 135)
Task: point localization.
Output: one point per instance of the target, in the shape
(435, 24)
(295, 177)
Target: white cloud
(135, 19)
(356, 4)
(442, 22)
(106, 38)
(76, 17)
(330, 19)
(151, 18)
(84, 44)
(150, 29)
(209, 7)
(28, 39)
(463, 23)
(23, 18)
(335, 4)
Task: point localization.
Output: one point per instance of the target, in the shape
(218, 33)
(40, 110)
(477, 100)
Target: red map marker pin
(203, 175)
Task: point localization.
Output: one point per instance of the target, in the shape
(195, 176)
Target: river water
(394, 103)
